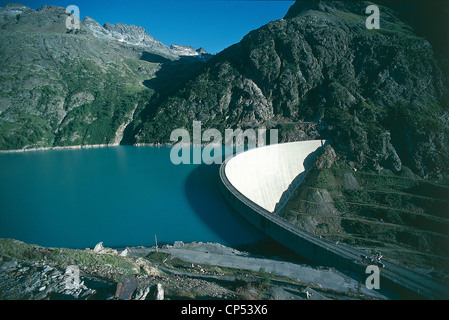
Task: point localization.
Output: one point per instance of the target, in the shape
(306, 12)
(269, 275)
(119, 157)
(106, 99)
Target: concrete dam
(259, 182)
(270, 171)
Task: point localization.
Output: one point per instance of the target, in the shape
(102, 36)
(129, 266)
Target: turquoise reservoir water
(122, 196)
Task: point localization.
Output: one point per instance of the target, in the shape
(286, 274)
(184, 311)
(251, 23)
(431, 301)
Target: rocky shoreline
(93, 146)
(60, 148)
(172, 272)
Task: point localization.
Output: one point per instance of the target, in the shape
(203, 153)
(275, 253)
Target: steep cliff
(378, 95)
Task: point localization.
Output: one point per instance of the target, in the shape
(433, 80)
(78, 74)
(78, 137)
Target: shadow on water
(203, 192)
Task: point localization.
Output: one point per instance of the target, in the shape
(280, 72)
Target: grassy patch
(388, 211)
(86, 260)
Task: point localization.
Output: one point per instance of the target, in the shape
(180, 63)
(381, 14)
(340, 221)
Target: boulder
(350, 182)
(126, 288)
(98, 247)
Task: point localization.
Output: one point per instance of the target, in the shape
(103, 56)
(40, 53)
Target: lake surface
(121, 196)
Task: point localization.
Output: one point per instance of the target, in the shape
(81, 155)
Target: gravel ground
(179, 271)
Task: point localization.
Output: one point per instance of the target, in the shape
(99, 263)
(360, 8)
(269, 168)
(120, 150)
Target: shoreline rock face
(28, 281)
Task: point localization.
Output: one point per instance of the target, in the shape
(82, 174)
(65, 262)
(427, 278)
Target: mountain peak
(127, 30)
(12, 9)
(183, 50)
(16, 5)
(127, 34)
(49, 18)
(326, 5)
(138, 36)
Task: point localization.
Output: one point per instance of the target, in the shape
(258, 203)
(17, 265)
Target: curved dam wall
(259, 182)
(269, 172)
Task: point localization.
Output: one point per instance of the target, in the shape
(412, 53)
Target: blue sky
(211, 24)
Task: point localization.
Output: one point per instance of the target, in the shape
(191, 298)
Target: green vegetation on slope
(62, 89)
(404, 216)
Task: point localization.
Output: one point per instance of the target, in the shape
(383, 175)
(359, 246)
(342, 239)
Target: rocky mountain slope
(62, 87)
(378, 95)
(402, 215)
